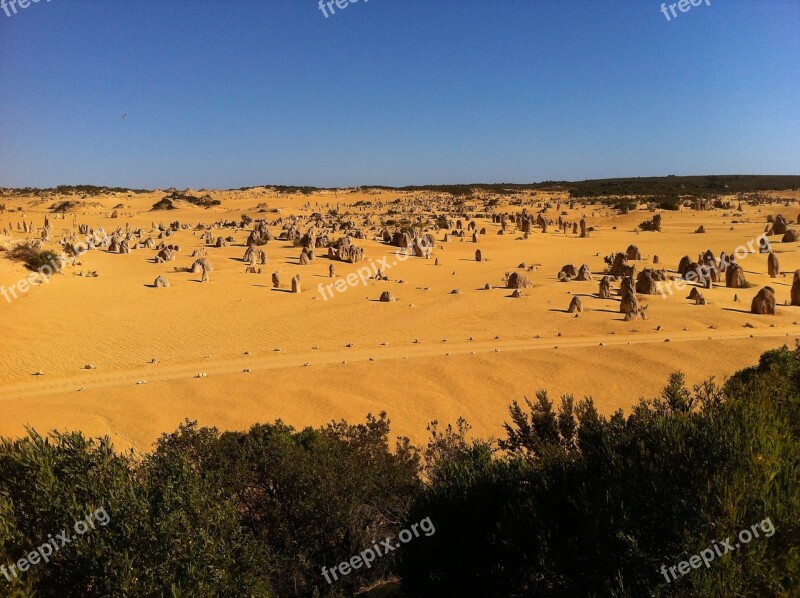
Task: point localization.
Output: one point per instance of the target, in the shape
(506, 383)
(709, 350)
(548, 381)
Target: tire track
(96, 380)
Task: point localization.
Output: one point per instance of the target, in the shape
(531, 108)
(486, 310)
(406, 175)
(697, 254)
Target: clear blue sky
(225, 93)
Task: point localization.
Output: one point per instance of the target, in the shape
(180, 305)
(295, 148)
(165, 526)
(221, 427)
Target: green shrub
(34, 258)
(168, 531)
(669, 203)
(624, 204)
(317, 497)
(578, 504)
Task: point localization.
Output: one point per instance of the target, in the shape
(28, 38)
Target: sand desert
(97, 347)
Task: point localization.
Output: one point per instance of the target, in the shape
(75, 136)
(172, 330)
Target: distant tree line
(665, 187)
(568, 502)
(692, 186)
(669, 186)
(70, 190)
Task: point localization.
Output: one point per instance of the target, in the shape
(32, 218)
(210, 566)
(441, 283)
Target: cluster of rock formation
(343, 250)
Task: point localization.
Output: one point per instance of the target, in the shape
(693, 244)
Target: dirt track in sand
(44, 386)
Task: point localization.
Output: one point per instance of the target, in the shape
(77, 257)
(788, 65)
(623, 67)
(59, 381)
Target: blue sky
(222, 94)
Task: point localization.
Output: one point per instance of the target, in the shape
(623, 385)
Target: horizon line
(419, 186)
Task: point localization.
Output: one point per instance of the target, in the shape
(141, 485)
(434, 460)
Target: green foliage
(669, 186)
(675, 397)
(625, 204)
(253, 514)
(568, 502)
(46, 484)
(317, 497)
(294, 189)
(674, 186)
(199, 545)
(165, 527)
(668, 203)
(577, 504)
(74, 189)
(34, 258)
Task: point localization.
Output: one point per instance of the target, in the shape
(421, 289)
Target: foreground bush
(313, 498)
(567, 503)
(166, 530)
(576, 504)
(255, 514)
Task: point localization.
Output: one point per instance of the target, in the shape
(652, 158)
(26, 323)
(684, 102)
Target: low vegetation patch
(206, 201)
(33, 256)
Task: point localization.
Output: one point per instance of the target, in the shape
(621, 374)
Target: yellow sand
(118, 323)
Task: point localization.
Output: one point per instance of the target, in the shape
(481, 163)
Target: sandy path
(42, 386)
